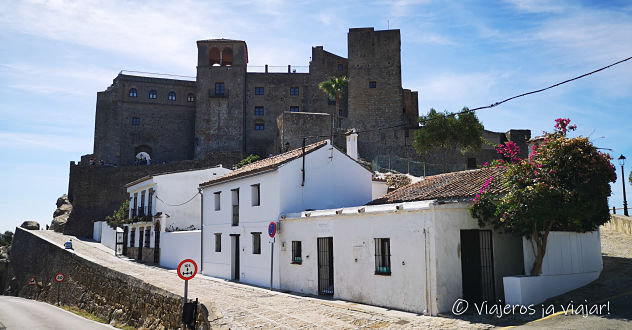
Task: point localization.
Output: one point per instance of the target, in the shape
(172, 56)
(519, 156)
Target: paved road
(244, 306)
(20, 313)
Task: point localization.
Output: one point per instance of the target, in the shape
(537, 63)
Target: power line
(484, 107)
(158, 198)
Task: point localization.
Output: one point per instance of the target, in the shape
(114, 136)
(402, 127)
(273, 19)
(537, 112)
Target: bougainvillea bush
(563, 185)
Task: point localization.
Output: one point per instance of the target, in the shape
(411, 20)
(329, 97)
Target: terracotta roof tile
(455, 185)
(267, 163)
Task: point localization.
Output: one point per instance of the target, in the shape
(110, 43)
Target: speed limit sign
(60, 277)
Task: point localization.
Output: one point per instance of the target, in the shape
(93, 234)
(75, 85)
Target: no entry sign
(60, 277)
(187, 269)
(272, 228)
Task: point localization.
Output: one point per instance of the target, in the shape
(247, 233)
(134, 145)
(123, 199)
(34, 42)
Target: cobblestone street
(244, 306)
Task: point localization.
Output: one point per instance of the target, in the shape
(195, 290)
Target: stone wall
(117, 298)
(293, 126)
(126, 125)
(620, 223)
(97, 191)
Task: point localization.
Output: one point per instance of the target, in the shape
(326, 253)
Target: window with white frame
(255, 190)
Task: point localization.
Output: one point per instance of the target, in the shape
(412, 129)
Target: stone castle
(229, 112)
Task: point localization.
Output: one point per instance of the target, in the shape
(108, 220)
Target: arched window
(214, 57)
(153, 94)
(227, 56)
(133, 92)
(259, 125)
(172, 96)
(191, 97)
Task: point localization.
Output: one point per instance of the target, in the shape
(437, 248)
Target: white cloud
(32, 141)
(538, 6)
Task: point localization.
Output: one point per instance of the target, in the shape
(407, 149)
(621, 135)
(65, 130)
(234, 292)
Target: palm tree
(334, 87)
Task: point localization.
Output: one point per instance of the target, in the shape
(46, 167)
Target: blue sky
(56, 55)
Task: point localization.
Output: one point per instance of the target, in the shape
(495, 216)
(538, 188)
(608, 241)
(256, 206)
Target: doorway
(125, 239)
(141, 231)
(477, 266)
(157, 242)
(234, 238)
(325, 266)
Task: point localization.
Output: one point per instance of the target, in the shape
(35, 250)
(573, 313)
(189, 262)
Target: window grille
(294, 109)
(296, 252)
(133, 92)
(256, 243)
(258, 90)
(153, 94)
(172, 96)
(258, 111)
(294, 91)
(383, 256)
(372, 84)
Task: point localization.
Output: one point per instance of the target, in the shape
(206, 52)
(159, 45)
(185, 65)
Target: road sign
(187, 269)
(32, 281)
(60, 277)
(272, 228)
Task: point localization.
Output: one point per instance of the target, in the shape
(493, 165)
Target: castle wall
(293, 126)
(97, 191)
(125, 125)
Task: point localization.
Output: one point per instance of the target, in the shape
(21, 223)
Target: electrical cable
(158, 198)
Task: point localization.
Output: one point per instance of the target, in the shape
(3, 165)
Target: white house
(418, 249)
(166, 211)
(239, 206)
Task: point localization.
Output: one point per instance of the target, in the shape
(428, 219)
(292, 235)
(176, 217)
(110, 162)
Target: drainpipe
(201, 229)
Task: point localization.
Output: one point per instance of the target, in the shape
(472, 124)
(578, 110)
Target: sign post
(60, 277)
(186, 270)
(272, 229)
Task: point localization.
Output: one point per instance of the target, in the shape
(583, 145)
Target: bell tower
(220, 102)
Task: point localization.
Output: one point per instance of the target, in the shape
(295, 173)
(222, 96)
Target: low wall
(620, 223)
(572, 260)
(117, 298)
(179, 245)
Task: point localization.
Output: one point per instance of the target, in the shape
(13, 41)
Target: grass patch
(90, 316)
(82, 313)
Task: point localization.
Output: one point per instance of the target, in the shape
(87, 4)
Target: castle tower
(221, 90)
(375, 92)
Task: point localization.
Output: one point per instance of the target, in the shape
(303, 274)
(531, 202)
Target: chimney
(352, 143)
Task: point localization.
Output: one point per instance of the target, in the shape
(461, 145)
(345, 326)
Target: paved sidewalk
(244, 306)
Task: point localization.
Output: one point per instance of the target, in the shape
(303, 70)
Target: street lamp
(625, 202)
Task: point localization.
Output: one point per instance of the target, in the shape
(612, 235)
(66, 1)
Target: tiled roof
(455, 185)
(267, 163)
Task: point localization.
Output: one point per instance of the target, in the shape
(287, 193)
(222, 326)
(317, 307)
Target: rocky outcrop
(61, 214)
(30, 225)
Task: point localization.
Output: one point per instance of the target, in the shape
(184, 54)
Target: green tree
(448, 133)
(335, 87)
(563, 185)
(120, 216)
(246, 161)
(6, 238)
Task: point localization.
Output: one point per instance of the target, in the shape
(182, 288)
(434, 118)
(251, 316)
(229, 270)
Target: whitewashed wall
(329, 182)
(179, 245)
(108, 235)
(425, 254)
(254, 268)
(567, 253)
(96, 230)
(378, 189)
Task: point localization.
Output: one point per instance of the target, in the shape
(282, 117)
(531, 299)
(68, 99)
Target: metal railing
(278, 68)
